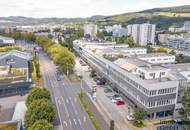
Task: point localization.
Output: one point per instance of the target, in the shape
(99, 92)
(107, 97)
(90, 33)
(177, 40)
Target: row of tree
(40, 110)
(59, 54)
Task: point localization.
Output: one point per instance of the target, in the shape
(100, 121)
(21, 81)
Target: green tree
(41, 125)
(112, 125)
(161, 50)
(41, 109)
(100, 35)
(36, 94)
(185, 110)
(139, 115)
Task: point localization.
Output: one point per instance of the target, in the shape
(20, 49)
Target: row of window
(161, 103)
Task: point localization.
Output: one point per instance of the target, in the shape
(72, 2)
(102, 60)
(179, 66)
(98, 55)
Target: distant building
(157, 58)
(179, 42)
(142, 34)
(6, 41)
(162, 38)
(90, 29)
(185, 27)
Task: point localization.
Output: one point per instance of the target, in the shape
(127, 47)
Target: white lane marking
(65, 123)
(75, 121)
(72, 104)
(70, 122)
(58, 111)
(76, 112)
(84, 118)
(63, 84)
(79, 121)
(67, 101)
(75, 99)
(65, 106)
(70, 97)
(59, 101)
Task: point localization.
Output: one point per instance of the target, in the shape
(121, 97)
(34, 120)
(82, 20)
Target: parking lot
(112, 106)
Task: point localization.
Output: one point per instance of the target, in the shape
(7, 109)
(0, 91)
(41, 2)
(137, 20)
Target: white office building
(156, 88)
(142, 33)
(90, 29)
(157, 58)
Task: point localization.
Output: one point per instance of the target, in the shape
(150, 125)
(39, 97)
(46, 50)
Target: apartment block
(90, 29)
(142, 34)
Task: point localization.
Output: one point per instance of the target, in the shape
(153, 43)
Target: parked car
(120, 102)
(107, 90)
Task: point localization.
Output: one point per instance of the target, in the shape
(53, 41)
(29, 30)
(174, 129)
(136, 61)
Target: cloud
(78, 8)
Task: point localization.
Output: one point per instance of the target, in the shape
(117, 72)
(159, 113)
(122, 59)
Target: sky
(79, 8)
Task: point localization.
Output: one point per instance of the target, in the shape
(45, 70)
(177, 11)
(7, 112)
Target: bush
(36, 94)
(41, 109)
(41, 125)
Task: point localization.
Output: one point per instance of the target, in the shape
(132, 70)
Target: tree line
(40, 110)
(59, 54)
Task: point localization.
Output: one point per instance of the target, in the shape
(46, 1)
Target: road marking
(70, 122)
(65, 106)
(70, 97)
(76, 112)
(84, 118)
(59, 101)
(67, 101)
(65, 123)
(63, 84)
(72, 104)
(75, 99)
(75, 121)
(79, 121)
(58, 111)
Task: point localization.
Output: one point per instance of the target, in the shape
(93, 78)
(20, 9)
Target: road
(64, 95)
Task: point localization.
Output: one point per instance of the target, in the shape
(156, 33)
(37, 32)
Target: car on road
(120, 102)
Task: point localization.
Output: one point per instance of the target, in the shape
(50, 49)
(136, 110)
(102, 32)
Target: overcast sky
(79, 8)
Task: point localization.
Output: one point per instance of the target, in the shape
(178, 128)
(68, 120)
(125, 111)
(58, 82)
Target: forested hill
(162, 17)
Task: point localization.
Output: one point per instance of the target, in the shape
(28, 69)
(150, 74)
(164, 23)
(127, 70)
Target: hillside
(162, 17)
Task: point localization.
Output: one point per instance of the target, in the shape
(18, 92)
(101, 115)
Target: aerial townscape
(104, 65)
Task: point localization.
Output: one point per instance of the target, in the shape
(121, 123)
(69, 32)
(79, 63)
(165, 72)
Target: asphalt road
(64, 95)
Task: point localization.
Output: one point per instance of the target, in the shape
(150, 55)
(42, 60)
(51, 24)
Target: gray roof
(5, 38)
(16, 53)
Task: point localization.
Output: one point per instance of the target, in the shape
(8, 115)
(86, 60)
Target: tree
(161, 50)
(139, 115)
(100, 35)
(41, 109)
(41, 125)
(36, 94)
(149, 49)
(112, 125)
(185, 110)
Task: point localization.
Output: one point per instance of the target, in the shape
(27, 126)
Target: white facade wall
(152, 74)
(159, 59)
